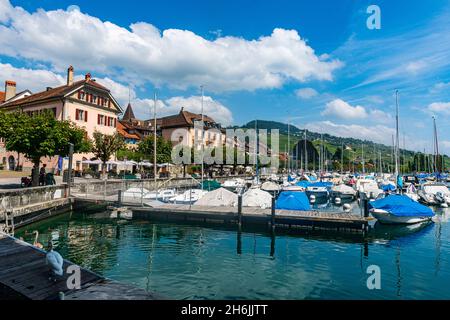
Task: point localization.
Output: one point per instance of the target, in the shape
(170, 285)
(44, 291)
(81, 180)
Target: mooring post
(272, 217)
(240, 210)
(119, 197)
(365, 204)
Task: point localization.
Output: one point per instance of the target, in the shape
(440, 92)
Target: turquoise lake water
(185, 261)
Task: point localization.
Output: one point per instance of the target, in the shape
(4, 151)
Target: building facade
(86, 103)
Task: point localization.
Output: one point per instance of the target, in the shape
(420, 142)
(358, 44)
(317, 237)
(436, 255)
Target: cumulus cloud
(34, 80)
(211, 107)
(173, 57)
(306, 93)
(440, 107)
(38, 80)
(378, 133)
(341, 109)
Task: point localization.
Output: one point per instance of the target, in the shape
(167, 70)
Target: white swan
(36, 243)
(54, 261)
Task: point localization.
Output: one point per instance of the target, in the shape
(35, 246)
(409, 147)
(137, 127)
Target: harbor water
(188, 261)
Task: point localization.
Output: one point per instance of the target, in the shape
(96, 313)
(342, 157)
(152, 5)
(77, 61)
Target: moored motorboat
(399, 209)
(343, 191)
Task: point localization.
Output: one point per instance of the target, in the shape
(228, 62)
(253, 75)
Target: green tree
(40, 135)
(105, 145)
(163, 149)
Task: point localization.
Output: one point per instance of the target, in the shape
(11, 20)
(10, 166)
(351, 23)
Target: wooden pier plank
(23, 269)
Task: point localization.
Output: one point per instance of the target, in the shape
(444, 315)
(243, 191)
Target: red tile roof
(183, 119)
(121, 130)
(53, 93)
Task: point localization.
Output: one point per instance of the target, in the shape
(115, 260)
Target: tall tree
(105, 145)
(40, 135)
(163, 149)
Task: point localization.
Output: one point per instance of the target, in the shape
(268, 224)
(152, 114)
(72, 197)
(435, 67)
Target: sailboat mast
(289, 147)
(396, 133)
(154, 141)
(306, 155)
(436, 145)
(256, 151)
(362, 153)
(342, 157)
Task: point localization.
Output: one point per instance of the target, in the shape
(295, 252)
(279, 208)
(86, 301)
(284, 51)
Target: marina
(224, 150)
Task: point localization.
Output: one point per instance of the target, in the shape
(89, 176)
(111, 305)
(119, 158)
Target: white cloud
(144, 108)
(173, 57)
(379, 116)
(438, 87)
(38, 80)
(341, 109)
(440, 107)
(377, 133)
(34, 80)
(306, 93)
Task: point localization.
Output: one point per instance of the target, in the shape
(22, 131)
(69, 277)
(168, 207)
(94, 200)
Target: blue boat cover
(303, 183)
(388, 187)
(321, 184)
(312, 178)
(293, 200)
(291, 178)
(402, 206)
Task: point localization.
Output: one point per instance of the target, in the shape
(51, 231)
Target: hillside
(354, 146)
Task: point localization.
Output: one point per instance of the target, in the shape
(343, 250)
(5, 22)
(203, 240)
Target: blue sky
(323, 68)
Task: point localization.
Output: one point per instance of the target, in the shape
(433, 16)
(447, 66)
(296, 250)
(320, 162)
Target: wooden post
(272, 217)
(365, 204)
(240, 210)
(119, 197)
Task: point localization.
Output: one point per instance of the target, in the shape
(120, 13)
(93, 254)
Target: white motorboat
(234, 184)
(257, 198)
(368, 187)
(387, 218)
(434, 193)
(343, 191)
(218, 198)
(161, 195)
(399, 209)
(188, 197)
(411, 192)
(135, 193)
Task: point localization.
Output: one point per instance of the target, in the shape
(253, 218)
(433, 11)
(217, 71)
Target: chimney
(87, 77)
(10, 89)
(70, 76)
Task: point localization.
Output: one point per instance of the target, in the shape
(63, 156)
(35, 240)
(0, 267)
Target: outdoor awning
(91, 162)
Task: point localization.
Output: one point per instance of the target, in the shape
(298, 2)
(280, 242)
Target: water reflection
(198, 262)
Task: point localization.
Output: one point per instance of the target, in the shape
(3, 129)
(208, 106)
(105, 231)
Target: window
(81, 95)
(94, 99)
(112, 122)
(81, 115)
(101, 120)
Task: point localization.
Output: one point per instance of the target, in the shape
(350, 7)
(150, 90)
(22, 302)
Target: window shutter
(85, 116)
(115, 122)
(98, 119)
(79, 94)
(109, 103)
(77, 115)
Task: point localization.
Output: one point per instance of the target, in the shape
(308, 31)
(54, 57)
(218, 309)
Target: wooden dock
(23, 270)
(315, 220)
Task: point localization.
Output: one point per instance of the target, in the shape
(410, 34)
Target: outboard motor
(439, 197)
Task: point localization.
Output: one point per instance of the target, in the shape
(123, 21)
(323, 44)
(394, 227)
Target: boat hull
(386, 218)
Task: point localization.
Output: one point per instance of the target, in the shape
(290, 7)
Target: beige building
(87, 103)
